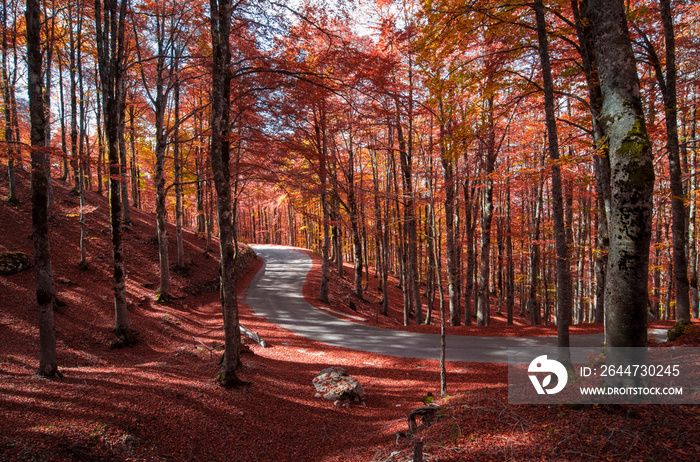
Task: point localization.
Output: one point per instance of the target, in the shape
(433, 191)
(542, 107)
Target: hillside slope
(159, 400)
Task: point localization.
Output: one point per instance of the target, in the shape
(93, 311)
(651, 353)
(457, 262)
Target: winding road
(276, 293)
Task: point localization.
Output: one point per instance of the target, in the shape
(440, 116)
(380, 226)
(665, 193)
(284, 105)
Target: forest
(477, 165)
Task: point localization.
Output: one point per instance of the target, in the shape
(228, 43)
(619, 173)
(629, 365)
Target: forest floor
(159, 400)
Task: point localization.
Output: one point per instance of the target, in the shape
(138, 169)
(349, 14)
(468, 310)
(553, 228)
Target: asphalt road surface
(276, 293)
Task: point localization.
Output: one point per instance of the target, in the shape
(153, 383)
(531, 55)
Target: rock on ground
(334, 384)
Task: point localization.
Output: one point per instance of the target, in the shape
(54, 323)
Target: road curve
(276, 293)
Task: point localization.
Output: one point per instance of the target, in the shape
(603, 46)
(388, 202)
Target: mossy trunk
(632, 177)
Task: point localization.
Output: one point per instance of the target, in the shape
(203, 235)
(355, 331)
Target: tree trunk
(602, 158)
(564, 299)
(64, 149)
(163, 257)
(453, 273)
(50, 39)
(123, 179)
(109, 32)
(443, 320)
(692, 218)
(533, 304)
(510, 265)
(410, 224)
(378, 234)
(199, 193)
(8, 109)
(73, 70)
(354, 218)
(678, 196)
(221, 12)
(40, 228)
(483, 313)
(321, 143)
(469, 220)
(632, 177)
(83, 158)
(100, 137)
(177, 177)
(132, 143)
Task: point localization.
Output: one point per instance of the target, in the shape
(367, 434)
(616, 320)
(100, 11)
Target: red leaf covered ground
(159, 401)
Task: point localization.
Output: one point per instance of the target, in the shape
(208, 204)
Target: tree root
(163, 298)
(49, 371)
(230, 380)
(125, 337)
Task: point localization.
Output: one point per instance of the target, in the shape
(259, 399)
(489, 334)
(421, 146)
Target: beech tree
(564, 300)
(632, 177)
(8, 86)
(40, 201)
(159, 76)
(601, 160)
(109, 33)
(220, 22)
(667, 83)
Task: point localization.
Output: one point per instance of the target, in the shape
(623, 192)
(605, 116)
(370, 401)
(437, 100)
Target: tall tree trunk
(132, 143)
(469, 220)
(443, 317)
(199, 194)
(354, 218)
(510, 265)
(533, 304)
(163, 256)
(692, 217)
(602, 158)
(123, 180)
(83, 158)
(322, 147)
(177, 167)
(410, 224)
(453, 272)
(386, 251)
(64, 148)
(678, 196)
(40, 227)
(109, 32)
(8, 109)
(632, 177)
(483, 313)
(73, 70)
(378, 227)
(100, 136)
(431, 270)
(656, 306)
(335, 221)
(50, 39)
(564, 298)
(220, 21)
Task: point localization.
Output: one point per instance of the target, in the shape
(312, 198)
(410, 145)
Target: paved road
(276, 293)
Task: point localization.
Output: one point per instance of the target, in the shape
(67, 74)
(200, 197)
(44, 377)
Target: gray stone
(334, 384)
